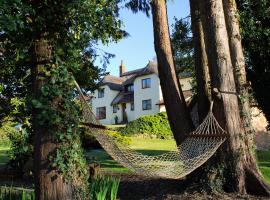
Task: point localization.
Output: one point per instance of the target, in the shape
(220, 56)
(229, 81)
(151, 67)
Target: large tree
(218, 49)
(255, 31)
(42, 43)
(225, 61)
(173, 98)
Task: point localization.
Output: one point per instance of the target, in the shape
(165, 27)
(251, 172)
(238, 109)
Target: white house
(131, 95)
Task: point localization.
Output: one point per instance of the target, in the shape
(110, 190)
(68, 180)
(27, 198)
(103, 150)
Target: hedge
(156, 126)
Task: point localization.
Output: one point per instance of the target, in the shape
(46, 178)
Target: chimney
(122, 69)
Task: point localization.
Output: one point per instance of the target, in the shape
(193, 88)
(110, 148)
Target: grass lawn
(143, 145)
(264, 163)
(4, 155)
(158, 146)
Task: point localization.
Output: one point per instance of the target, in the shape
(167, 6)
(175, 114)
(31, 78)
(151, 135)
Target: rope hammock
(194, 151)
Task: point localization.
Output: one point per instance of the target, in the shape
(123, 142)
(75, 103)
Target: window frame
(98, 113)
(130, 88)
(101, 92)
(147, 104)
(115, 108)
(147, 84)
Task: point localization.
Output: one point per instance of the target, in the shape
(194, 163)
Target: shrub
(118, 137)
(21, 149)
(90, 141)
(149, 125)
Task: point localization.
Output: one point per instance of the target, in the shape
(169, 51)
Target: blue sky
(137, 49)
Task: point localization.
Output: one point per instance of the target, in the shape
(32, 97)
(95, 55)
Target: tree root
(255, 184)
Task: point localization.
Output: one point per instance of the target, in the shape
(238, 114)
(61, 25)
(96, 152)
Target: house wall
(186, 83)
(109, 95)
(144, 94)
(154, 93)
(130, 113)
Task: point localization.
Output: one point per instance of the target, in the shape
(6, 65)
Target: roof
(118, 83)
(123, 97)
(150, 68)
(114, 82)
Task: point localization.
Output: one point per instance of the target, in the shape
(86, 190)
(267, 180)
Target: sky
(137, 49)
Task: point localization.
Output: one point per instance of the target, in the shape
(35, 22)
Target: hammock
(194, 151)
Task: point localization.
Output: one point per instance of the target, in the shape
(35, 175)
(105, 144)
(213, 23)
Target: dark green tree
(255, 30)
(182, 45)
(43, 45)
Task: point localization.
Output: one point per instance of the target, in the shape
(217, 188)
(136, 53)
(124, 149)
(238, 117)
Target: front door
(124, 113)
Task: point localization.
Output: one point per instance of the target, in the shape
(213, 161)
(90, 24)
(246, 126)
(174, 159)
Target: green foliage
(104, 188)
(263, 158)
(255, 30)
(10, 193)
(118, 137)
(149, 125)
(182, 45)
(72, 29)
(21, 148)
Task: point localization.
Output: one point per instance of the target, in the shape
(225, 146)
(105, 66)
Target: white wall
(106, 101)
(130, 113)
(154, 93)
(186, 83)
(144, 94)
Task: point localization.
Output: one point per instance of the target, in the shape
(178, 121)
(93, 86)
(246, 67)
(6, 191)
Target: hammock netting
(194, 151)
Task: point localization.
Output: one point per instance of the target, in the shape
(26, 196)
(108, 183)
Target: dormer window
(101, 93)
(129, 88)
(146, 83)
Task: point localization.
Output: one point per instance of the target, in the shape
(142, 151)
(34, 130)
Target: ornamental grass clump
(12, 193)
(104, 188)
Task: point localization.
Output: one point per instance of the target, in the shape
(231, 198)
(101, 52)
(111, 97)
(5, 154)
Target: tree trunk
(238, 61)
(178, 115)
(201, 61)
(236, 154)
(49, 184)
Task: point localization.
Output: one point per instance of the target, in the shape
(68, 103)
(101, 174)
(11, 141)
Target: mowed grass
(264, 164)
(142, 145)
(145, 146)
(156, 147)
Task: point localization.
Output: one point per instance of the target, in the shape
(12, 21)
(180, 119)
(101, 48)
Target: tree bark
(49, 184)
(178, 115)
(236, 153)
(201, 61)
(238, 61)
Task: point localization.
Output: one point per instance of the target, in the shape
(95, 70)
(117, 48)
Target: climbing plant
(72, 30)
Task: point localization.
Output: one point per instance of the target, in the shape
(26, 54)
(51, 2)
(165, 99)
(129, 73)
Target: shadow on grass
(108, 164)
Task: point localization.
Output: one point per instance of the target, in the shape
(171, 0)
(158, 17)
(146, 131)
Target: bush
(118, 137)
(21, 149)
(89, 141)
(150, 125)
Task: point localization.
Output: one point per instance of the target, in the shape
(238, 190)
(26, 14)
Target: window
(146, 83)
(146, 104)
(101, 92)
(115, 108)
(101, 113)
(132, 106)
(129, 88)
